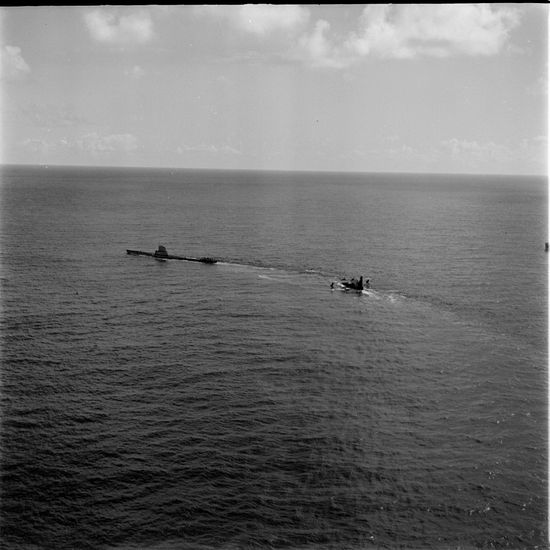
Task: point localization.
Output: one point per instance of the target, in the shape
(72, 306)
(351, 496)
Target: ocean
(246, 404)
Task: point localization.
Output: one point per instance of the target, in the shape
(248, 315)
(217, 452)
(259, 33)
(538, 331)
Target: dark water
(172, 404)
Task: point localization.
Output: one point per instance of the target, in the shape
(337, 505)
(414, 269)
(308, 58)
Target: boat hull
(337, 285)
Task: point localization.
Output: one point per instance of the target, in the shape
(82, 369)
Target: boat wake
(309, 276)
(387, 296)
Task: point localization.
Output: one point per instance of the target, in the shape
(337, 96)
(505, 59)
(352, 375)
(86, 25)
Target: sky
(452, 88)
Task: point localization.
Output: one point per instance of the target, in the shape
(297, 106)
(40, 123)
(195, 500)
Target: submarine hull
(204, 260)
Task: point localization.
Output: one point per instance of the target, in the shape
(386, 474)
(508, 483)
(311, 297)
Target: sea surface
(178, 405)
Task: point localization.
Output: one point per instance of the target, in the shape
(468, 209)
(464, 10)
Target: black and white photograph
(274, 277)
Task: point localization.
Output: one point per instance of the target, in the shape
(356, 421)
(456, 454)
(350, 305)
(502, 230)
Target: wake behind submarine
(161, 255)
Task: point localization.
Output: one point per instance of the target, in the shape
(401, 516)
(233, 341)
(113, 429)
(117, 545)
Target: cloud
(230, 150)
(530, 152)
(35, 145)
(260, 19)
(45, 148)
(91, 144)
(473, 150)
(535, 150)
(385, 31)
(94, 143)
(135, 72)
(412, 30)
(317, 48)
(120, 26)
(438, 30)
(528, 155)
(210, 149)
(12, 64)
(51, 116)
(392, 149)
(539, 88)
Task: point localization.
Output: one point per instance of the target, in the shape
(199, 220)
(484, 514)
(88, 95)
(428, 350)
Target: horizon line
(287, 170)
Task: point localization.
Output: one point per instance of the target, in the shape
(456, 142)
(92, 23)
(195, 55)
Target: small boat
(354, 284)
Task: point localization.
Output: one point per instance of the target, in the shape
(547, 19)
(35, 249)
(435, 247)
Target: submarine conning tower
(161, 251)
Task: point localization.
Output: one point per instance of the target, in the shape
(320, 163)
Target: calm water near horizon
(246, 404)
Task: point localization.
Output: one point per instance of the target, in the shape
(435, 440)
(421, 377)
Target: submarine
(162, 254)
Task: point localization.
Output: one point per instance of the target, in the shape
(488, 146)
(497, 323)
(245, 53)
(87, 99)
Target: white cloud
(210, 149)
(196, 148)
(91, 144)
(94, 143)
(539, 88)
(12, 64)
(46, 147)
(384, 30)
(412, 30)
(531, 153)
(52, 116)
(134, 72)
(317, 48)
(35, 145)
(473, 151)
(119, 26)
(528, 155)
(230, 150)
(433, 30)
(260, 19)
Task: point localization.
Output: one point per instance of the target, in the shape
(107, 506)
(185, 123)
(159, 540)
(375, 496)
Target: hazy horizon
(244, 169)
